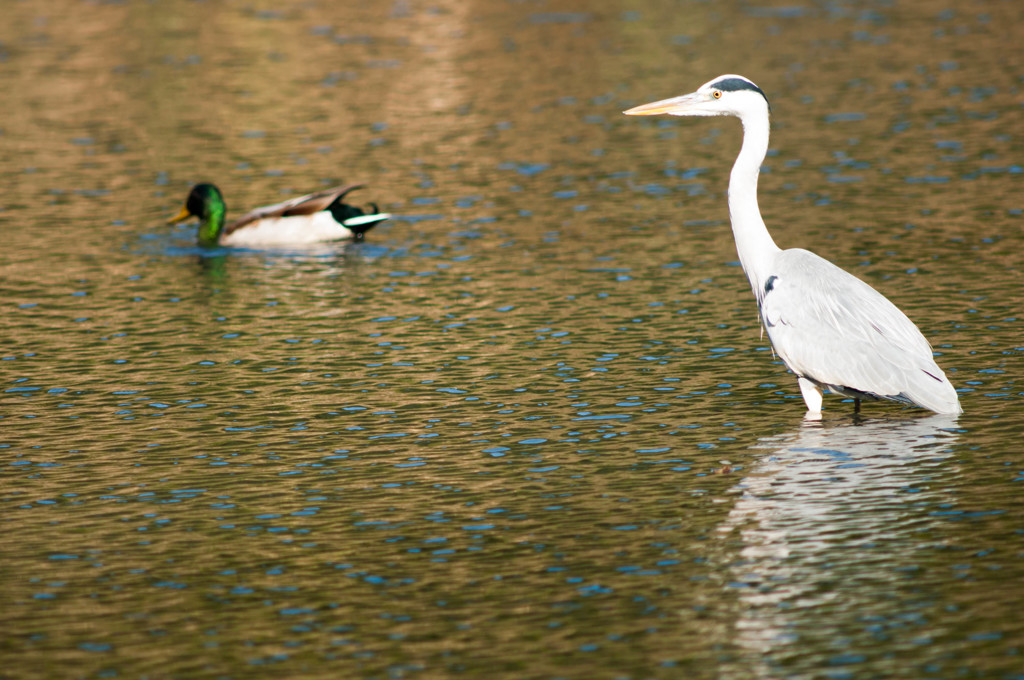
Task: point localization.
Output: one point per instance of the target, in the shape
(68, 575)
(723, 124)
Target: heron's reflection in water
(829, 530)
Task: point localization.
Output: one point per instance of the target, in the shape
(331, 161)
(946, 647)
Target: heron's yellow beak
(674, 106)
(181, 216)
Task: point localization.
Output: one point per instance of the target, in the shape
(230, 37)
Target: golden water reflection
(529, 428)
(838, 525)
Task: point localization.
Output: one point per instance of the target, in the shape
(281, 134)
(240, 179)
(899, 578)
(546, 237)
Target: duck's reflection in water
(825, 541)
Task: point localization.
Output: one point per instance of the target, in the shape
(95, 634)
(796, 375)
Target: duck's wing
(302, 205)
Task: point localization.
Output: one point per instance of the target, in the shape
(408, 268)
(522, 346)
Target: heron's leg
(812, 397)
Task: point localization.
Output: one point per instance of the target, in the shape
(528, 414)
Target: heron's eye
(717, 94)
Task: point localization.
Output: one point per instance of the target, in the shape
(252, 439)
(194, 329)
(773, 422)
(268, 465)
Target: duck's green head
(207, 203)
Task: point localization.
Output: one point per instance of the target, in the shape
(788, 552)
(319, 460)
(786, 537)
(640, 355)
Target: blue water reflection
(835, 530)
(529, 428)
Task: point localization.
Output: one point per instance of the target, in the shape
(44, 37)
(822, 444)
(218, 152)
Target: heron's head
(728, 95)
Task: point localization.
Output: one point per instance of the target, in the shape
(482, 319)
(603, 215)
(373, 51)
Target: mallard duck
(313, 218)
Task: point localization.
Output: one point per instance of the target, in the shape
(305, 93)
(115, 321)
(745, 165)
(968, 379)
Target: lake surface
(529, 428)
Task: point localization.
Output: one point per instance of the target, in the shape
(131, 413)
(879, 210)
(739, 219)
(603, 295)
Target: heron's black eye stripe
(736, 84)
(770, 284)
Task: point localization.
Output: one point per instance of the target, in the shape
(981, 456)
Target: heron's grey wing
(833, 328)
(301, 205)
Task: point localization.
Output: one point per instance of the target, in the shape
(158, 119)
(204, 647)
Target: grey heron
(834, 331)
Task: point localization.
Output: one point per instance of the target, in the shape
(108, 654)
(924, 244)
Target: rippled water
(529, 428)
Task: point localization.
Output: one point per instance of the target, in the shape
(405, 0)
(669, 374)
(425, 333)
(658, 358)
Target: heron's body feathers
(837, 331)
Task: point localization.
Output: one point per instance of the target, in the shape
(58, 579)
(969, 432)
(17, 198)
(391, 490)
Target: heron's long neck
(753, 242)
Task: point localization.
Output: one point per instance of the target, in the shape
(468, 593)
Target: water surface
(530, 427)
